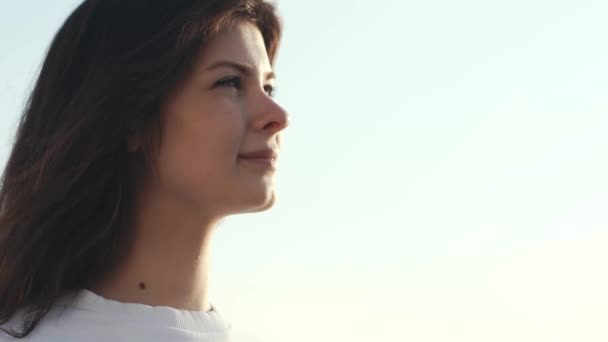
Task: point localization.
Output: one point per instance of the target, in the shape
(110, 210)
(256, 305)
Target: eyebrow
(242, 68)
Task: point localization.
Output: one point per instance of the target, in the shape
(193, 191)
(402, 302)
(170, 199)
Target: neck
(168, 262)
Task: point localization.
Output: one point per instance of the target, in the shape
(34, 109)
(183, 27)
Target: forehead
(242, 42)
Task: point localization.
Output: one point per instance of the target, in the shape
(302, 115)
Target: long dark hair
(67, 191)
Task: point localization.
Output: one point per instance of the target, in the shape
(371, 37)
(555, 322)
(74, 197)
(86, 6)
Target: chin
(262, 204)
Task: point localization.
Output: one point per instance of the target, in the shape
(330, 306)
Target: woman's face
(222, 110)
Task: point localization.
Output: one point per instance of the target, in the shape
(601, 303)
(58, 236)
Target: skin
(207, 122)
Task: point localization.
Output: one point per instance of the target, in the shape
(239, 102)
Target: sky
(443, 177)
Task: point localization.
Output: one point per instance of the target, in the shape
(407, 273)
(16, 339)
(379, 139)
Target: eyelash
(235, 82)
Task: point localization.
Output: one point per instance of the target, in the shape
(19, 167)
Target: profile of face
(223, 109)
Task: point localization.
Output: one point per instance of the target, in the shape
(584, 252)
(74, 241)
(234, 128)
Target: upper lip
(267, 154)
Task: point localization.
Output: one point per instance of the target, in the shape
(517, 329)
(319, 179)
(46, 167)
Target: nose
(273, 117)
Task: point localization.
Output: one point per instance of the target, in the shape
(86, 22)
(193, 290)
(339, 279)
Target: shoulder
(73, 324)
(53, 327)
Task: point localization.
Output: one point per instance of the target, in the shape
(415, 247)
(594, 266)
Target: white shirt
(89, 317)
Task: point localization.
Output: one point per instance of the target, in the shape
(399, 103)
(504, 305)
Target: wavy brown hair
(67, 192)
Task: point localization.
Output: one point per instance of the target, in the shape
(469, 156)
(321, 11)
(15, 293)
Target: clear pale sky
(444, 177)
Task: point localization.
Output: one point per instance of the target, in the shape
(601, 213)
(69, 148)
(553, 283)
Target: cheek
(198, 157)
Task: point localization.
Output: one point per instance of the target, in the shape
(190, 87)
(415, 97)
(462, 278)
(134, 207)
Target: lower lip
(266, 162)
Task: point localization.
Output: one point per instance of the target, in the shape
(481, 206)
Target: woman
(150, 122)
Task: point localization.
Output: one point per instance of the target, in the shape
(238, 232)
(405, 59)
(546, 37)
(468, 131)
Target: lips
(261, 154)
(264, 159)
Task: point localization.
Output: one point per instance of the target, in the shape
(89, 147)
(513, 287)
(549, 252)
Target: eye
(269, 90)
(233, 82)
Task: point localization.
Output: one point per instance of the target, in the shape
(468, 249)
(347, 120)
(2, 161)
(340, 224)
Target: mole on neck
(142, 285)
